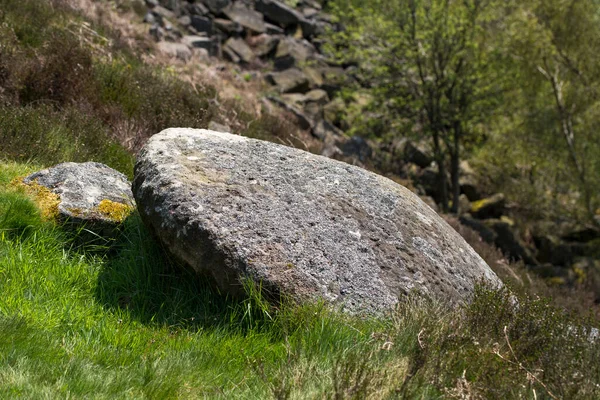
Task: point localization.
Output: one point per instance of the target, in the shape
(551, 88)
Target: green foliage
(19, 215)
(432, 67)
(513, 83)
(46, 136)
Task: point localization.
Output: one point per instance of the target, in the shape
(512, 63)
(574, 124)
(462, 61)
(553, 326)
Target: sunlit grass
(128, 323)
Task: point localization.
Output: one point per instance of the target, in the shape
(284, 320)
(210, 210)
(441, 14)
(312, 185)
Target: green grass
(128, 323)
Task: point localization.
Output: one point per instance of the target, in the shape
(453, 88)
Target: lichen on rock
(90, 195)
(44, 198)
(298, 224)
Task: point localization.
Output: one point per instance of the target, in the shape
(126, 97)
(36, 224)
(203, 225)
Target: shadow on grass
(139, 277)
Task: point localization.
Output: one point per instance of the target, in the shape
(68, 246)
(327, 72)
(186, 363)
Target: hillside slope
(125, 323)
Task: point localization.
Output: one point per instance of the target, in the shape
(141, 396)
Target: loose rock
(90, 195)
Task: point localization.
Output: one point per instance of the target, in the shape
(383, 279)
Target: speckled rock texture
(303, 225)
(90, 193)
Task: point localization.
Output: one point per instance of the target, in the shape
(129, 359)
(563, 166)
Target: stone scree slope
(303, 225)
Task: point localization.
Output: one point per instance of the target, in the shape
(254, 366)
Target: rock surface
(89, 193)
(302, 225)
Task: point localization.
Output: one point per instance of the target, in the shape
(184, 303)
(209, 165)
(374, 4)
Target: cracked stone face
(303, 225)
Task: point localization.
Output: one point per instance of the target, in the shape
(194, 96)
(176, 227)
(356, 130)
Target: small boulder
(90, 195)
(416, 153)
(175, 50)
(246, 17)
(279, 12)
(300, 225)
(264, 44)
(292, 53)
(199, 42)
(288, 81)
(227, 26)
(217, 6)
(317, 96)
(240, 48)
(202, 24)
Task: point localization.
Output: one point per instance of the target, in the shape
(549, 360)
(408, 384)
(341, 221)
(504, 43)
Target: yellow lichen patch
(114, 211)
(76, 212)
(46, 201)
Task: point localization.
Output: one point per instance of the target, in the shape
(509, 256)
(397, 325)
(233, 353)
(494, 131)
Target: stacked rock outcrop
(268, 34)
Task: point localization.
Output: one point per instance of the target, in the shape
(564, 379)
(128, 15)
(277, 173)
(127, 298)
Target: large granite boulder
(302, 225)
(90, 195)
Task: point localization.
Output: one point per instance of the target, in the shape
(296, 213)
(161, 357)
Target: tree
(557, 42)
(430, 63)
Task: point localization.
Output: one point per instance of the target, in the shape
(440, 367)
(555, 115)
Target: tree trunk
(455, 172)
(442, 178)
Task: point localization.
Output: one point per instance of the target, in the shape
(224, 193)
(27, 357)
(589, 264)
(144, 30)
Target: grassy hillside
(128, 324)
(125, 322)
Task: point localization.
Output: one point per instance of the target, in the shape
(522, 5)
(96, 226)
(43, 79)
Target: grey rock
(317, 96)
(149, 18)
(416, 153)
(217, 6)
(301, 225)
(161, 12)
(303, 120)
(157, 32)
(296, 99)
(265, 44)
(310, 3)
(198, 9)
(227, 26)
(311, 28)
(184, 21)
(293, 52)
(202, 24)
(90, 194)
(231, 55)
(199, 42)
(175, 50)
(323, 129)
(288, 81)
(240, 48)
(273, 29)
(246, 17)
(278, 12)
(309, 12)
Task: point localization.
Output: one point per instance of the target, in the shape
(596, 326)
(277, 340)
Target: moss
(44, 198)
(113, 210)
